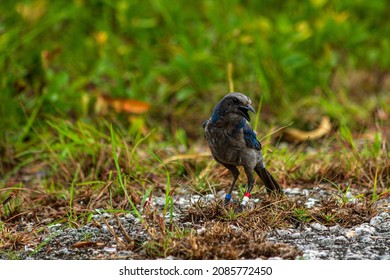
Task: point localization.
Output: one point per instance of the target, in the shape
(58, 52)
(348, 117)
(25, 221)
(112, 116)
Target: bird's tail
(270, 183)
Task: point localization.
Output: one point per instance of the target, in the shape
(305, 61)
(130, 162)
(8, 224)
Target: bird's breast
(224, 147)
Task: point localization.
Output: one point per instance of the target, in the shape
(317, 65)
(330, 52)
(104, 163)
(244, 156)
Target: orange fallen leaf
(297, 135)
(124, 105)
(134, 106)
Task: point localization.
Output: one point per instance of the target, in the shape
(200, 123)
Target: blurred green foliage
(55, 55)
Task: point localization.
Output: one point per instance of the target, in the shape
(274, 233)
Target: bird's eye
(235, 100)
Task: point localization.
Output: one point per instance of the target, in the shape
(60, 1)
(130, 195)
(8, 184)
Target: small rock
(351, 256)
(314, 255)
(367, 240)
(337, 229)
(293, 191)
(283, 232)
(109, 249)
(385, 257)
(376, 221)
(71, 231)
(106, 215)
(104, 228)
(318, 227)
(201, 231)
(221, 194)
(385, 215)
(295, 235)
(125, 253)
(305, 192)
(129, 216)
(326, 242)
(365, 229)
(309, 234)
(311, 202)
(384, 227)
(341, 240)
(374, 257)
(64, 251)
(350, 198)
(236, 229)
(187, 224)
(351, 234)
(181, 201)
(194, 199)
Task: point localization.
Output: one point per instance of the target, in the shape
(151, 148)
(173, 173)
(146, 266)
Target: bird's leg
(234, 170)
(251, 182)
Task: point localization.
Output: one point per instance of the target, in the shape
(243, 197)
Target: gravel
(365, 241)
(370, 240)
(357, 243)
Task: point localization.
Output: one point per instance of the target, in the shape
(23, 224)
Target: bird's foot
(228, 197)
(241, 208)
(244, 203)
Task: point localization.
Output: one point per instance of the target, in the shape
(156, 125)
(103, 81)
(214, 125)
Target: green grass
(297, 60)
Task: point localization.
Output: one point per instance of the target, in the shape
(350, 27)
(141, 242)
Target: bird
(233, 143)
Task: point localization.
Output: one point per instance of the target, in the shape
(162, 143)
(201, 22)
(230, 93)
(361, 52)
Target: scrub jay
(233, 143)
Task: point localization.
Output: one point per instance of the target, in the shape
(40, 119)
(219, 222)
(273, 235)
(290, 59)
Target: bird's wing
(250, 138)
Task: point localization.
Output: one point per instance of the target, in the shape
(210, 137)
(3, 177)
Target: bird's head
(233, 106)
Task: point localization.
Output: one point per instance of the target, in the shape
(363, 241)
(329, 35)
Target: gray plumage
(233, 142)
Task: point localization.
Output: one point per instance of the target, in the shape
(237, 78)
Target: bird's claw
(226, 202)
(241, 208)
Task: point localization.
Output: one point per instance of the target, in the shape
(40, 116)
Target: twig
(8, 199)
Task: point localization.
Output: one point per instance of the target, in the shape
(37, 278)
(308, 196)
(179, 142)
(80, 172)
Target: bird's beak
(244, 110)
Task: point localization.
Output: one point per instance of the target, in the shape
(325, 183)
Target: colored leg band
(248, 195)
(244, 201)
(228, 196)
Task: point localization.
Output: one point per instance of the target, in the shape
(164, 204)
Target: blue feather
(250, 138)
(249, 135)
(216, 113)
